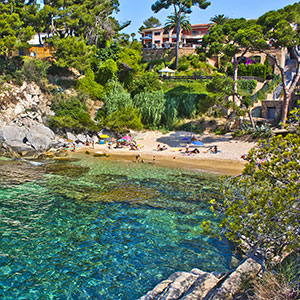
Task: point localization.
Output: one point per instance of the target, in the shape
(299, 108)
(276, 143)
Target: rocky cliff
(23, 115)
(18, 104)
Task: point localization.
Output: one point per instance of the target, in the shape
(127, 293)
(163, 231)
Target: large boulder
(205, 286)
(40, 137)
(234, 282)
(13, 134)
(81, 138)
(71, 137)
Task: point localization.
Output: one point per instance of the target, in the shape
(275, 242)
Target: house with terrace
(160, 38)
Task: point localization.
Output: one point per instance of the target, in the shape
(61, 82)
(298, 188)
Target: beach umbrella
(104, 136)
(197, 143)
(127, 138)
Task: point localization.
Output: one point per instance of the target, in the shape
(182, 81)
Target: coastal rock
(71, 137)
(161, 288)
(200, 288)
(81, 138)
(19, 104)
(12, 134)
(233, 283)
(203, 285)
(95, 139)
(40, 137)
(37, 137)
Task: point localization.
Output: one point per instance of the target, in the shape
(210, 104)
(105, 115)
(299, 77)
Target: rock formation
(199, 285)
(23, 113)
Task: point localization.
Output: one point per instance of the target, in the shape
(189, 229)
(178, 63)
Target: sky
(137, 11)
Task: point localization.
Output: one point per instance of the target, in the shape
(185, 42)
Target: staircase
(289, 71)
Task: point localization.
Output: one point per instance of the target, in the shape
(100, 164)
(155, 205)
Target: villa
(160, 38)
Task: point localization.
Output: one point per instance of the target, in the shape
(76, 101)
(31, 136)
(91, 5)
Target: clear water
(95, 229)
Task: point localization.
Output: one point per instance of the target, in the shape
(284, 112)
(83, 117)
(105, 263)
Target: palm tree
(219, 19)
(178, 21)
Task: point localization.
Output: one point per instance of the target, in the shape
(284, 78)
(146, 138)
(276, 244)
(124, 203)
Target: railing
(196, 77)
(203, 77)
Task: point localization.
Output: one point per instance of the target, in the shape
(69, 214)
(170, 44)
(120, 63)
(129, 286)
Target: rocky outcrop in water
(34, 137)
(199, 285)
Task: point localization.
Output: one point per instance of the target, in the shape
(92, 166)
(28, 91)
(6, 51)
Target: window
(156, 33)
(194, 32)
(157, 42)
(271, 112)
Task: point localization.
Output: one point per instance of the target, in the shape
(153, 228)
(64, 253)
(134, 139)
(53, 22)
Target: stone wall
(277, 105)
(169, 54)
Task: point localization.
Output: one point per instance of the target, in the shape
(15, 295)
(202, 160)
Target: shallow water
(96, 229)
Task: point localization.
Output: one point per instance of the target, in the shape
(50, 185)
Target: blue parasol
(197, 143)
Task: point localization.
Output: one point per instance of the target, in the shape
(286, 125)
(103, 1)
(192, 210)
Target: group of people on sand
(131, 145)
(212, 149)
(161, 148)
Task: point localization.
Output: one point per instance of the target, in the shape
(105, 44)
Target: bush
(106, 71)
(151, 106)
(35, 69)
(71, 114)
(123, 119)
(246, 87)
(90, 86)
(148, 82)
(116, 99)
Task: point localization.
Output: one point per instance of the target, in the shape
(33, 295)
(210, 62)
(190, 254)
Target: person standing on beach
(137, 158)
(187, 147)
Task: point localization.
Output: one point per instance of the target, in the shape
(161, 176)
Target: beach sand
(227, 161)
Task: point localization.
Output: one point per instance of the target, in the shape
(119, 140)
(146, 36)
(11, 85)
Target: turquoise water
(95, 229)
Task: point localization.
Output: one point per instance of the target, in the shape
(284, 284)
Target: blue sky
(139, 10)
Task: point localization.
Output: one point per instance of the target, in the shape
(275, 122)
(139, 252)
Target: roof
(162, 28)
(166, 70)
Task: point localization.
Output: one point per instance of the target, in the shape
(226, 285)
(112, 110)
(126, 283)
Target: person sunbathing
(195, 151)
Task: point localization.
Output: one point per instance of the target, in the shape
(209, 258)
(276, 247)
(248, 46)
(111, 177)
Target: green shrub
(90, 86)
(71, 114)
(130, 57)
(151, 106)
(123, 119)
(183, 66)
(106, 71)
(246, 87)
(148, 82)
(35, 69)
(170, 113)
(116, 99)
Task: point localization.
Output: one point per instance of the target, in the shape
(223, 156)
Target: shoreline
(227, 161)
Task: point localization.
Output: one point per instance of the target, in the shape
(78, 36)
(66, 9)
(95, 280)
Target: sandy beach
(227, 161)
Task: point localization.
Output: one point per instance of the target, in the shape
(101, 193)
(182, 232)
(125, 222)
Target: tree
(178, 19)
(73, 52)
(233, 40)
(262, 206)
(280, 29)
(180, 7)
(151, 22)
(219, 19)
(13, 33)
